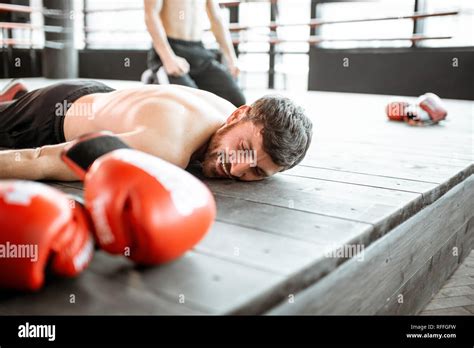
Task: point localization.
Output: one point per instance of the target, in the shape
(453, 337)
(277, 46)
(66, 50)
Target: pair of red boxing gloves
(135, 204)
(427, 110)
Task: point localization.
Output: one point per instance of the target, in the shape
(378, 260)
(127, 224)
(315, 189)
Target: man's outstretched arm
(42, 163)
(45, 163)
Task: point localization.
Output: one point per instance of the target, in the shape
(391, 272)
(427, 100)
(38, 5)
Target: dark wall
(112, 64)
(99, 64)
(394, 71)
(20, 63)
(389, 71)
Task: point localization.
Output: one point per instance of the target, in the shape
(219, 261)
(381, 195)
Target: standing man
(176, 28)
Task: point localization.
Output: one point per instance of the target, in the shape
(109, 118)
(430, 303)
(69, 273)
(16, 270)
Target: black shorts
(37, 118)
(205, 72)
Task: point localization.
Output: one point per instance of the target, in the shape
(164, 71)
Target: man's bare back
(168, 121)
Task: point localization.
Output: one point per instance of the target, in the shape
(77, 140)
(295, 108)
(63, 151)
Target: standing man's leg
(4, 105)
(183, 80)
(215, 78)
(206, 72)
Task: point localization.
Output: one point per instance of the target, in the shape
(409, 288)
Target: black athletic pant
(37, 118)
(205, 72)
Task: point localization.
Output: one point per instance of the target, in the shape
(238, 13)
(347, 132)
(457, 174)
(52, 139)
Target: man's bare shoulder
(177, 116)
(169, 96)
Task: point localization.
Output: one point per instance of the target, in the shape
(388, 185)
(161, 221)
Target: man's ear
(238, 114)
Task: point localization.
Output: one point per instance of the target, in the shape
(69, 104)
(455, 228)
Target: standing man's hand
(233, 69)
(176, 66)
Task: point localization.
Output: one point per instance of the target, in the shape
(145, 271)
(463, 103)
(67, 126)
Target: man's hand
(233, 69)
(176, 66)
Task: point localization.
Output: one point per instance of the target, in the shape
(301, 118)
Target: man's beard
(214, 151)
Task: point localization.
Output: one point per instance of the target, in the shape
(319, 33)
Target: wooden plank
(438, 139)
(448, 311)
(278, 252)
(245, 192)
(93, 294)
(336, 144)
(391, 168)
(291, 223)
(213, 260)
(205, 283)
(456, 291)
(390, 261)
(380, 207)
(361, 179)
(361, 119)
(430, 195)
(260, 250)
(400, 151)
(419, 289)
(290, 288)
(304, 262)
(449, 302)
(314, 228)
(328, 154)
(470, 309)
(315, 196)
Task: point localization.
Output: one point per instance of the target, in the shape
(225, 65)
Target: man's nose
(238, 169)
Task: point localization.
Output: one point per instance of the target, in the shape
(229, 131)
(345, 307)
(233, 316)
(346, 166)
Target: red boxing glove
(427, 110)
(432, 109)
(142, 207)
(397, 110)
(40, 226)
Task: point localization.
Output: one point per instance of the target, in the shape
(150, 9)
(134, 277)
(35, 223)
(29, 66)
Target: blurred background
(403, 47)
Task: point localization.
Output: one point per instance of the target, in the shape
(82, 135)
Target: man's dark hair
(287, 130)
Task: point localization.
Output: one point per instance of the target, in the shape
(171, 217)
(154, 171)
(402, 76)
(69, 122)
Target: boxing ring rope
(311, 24)
(52, 33)
(314, 40)
(271, 38)
(232, 27)
(317, 22)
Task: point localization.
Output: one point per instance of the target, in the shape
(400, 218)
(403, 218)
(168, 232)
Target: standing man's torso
(184, 19)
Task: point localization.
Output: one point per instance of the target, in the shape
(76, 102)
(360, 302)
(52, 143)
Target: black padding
(86, 152)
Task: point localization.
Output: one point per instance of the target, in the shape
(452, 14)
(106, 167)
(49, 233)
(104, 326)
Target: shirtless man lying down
(176, 123)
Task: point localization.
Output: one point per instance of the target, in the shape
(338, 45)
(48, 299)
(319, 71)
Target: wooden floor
(457, 295)
(404, 194)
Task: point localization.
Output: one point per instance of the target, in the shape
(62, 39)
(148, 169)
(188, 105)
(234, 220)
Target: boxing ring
(373, 221)
(404, 196)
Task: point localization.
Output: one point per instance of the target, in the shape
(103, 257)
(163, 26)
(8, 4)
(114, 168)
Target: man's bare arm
(42, 163)
(156, 29)
(222, 34)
